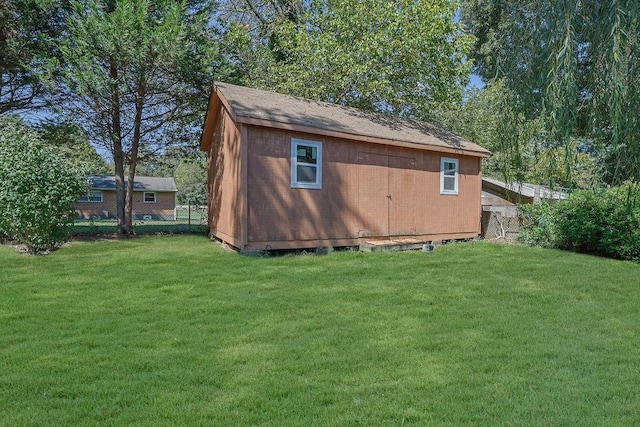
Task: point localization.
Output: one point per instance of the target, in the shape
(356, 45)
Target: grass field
(175, 331)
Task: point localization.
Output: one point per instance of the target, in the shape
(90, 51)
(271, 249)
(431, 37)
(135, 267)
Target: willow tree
(573, 64)
(405, 57)
(136, 75)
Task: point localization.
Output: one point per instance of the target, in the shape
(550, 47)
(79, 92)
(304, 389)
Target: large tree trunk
(118, 153)
(129, 201)
(133, 156)
(120, 189)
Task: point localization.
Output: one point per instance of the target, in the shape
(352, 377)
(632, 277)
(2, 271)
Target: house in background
(153, 198)
(290, 173)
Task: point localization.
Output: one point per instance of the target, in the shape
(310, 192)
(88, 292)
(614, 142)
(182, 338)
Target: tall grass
(173, 330)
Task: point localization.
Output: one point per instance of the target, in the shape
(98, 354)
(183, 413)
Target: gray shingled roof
(284, 111)
(141, 183)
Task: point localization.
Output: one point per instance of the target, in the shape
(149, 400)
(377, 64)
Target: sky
(476, 81)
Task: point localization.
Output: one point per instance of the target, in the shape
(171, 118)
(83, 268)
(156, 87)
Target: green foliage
(538, 224)
(28, 31)
(605, 222)
(519, 145)
(38, 189)
(72, 143)
(162, 164)
(191, 180)
(488, 117)
(138, 74)
(405, 57)
(572, 64)
(147, 61)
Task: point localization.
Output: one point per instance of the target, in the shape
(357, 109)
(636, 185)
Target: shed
(290, 173)
(500, 216)
(154, 198)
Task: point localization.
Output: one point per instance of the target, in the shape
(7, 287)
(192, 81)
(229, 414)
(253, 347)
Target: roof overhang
(356, 137)
(217, 99)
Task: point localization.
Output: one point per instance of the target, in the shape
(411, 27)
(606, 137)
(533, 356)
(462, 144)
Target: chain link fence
(500, 223)
(192, 214)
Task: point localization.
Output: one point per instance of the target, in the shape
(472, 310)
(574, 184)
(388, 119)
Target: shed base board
(392, 245)
(395, 244)
(366, 244)
(299, 244)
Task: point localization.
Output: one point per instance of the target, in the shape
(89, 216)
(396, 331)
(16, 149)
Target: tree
(38, 188)
(165, 163)
(520, 152)
(73, 143)
(27, 35)
(570, 63)
(191, 180)
(404, 57)
(137, 74)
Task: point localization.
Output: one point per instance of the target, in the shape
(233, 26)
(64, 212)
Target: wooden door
(386, 195)
(373, 186)
(403, 196)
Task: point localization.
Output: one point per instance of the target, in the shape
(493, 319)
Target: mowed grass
(175, 331)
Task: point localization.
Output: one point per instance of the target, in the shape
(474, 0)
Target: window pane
(306, 173)
(306, 164)
(91, 196)
(307, 154)
(150, 197)
(449, 167)
(449, 183)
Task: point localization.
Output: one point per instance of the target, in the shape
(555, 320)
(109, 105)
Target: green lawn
(175, 331)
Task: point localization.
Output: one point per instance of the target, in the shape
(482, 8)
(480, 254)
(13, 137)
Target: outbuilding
(290, 173)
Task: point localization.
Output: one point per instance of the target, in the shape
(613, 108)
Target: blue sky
(476, 81)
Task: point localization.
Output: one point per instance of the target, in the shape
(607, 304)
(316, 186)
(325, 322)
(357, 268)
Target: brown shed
(290, 173)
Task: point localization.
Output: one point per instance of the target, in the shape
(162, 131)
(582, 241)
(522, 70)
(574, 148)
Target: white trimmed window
(149, 197)
(306, 164)
(91, 196)
(448, 176)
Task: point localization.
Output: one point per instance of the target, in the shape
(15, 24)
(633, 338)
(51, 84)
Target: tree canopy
(136, 74)
(404, 57)
(72, 143)
(28, 37)
(573, 64)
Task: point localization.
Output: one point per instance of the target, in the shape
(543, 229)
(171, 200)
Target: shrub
(581, 219)
(604, 222)
(538, 224)
(38, 189)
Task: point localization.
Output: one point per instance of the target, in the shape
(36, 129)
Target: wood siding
(225, 169)
(368, 190)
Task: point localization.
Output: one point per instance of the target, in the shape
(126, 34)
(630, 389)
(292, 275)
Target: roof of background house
(527, 190)
(141, 183)
(272, 109)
